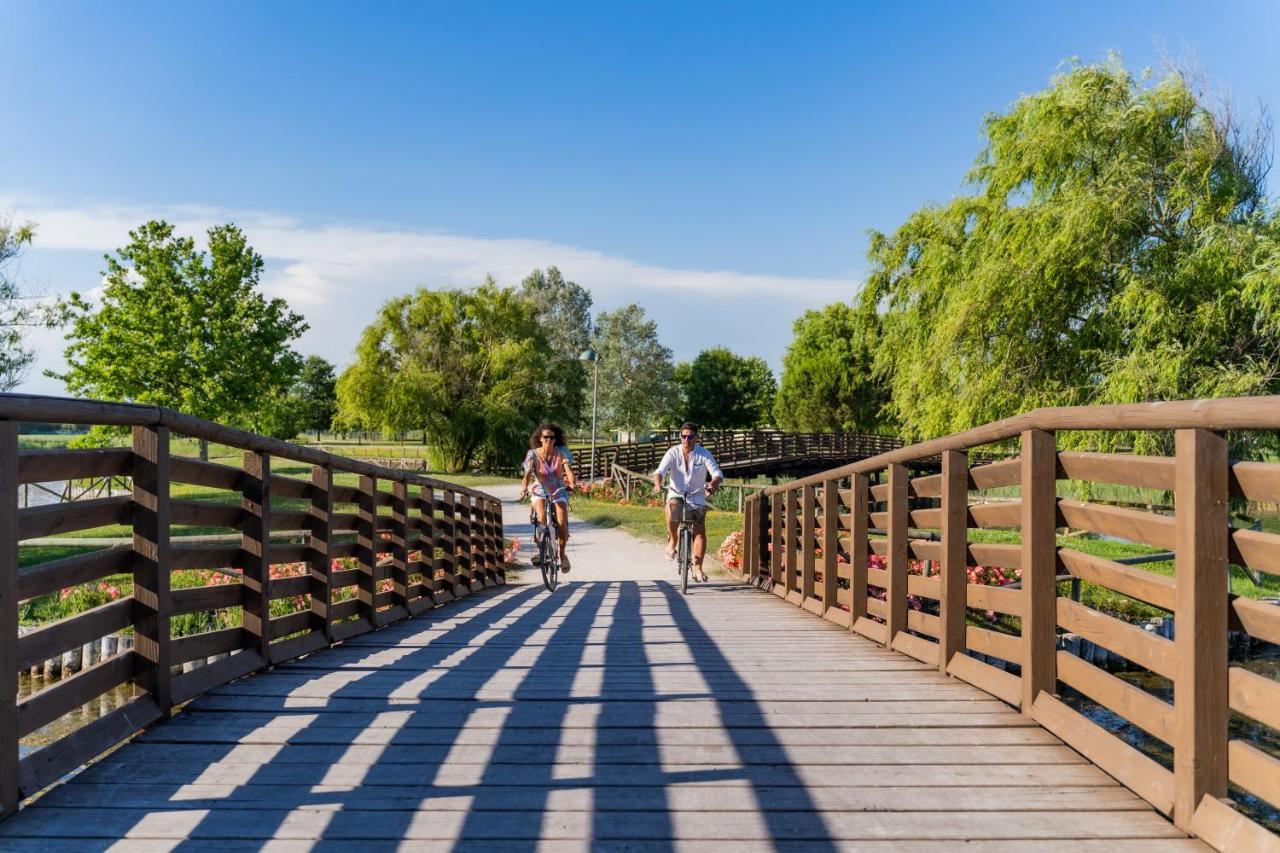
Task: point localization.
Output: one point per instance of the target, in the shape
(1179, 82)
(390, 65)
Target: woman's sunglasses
(547, 437)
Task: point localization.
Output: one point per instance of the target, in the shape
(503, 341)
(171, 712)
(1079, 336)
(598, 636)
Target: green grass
(649, 522)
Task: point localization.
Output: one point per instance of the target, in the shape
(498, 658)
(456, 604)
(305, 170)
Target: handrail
(440, 542)
(843, 544)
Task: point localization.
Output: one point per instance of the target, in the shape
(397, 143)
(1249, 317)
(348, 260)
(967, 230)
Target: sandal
(564, 563)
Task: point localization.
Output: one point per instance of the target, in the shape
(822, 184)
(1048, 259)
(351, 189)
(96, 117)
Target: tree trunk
(204, 450)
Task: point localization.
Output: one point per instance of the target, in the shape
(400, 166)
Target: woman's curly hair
(535, 439)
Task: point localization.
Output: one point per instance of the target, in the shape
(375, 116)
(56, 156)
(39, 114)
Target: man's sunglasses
(687, 436)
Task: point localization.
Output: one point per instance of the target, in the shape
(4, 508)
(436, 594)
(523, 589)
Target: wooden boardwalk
(607, 716)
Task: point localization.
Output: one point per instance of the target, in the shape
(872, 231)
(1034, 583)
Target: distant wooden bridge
(348, 705)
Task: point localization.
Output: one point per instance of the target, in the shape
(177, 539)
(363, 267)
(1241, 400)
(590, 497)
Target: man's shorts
(696, 514)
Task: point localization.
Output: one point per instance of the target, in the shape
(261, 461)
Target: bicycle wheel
(686, 557)
(547, 557)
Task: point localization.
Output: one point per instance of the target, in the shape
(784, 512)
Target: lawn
(649, 522)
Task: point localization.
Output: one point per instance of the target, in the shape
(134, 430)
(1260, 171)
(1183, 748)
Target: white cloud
(338, 274)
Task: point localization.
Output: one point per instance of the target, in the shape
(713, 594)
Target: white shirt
(691, 478)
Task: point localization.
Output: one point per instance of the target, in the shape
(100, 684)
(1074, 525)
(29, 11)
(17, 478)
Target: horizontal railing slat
(73, 632)
(71, 571)
(50, 520)
(71, 692)
(41, 466)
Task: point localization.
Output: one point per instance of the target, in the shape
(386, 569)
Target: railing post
(449, 534)
(10, 796)
(1039, 565)
(400, 544)
(777, 559)
(498, 542)
(367, 548)
(153, 606)
(319, 562)
(462, 536)
(955, 555)
(1200, 700)
(896, 594)
(749, 534)
(762, 566)
(791, 552)
(808, 542)
(830, 542)
(255, 542)
(859, 550)
(429, 541)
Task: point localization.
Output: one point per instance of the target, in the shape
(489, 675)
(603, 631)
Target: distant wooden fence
(810, 542)
(443, 541)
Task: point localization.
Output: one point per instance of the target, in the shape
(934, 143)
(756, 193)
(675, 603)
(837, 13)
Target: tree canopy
(309, 404)
(827, 384)
(18, 311)
(181, 328)
(564, 312)
(465, 366)
(1116, 247)
(723, 390)
(636, 383)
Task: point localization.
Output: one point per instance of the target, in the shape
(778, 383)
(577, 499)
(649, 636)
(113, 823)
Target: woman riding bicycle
(552, 479)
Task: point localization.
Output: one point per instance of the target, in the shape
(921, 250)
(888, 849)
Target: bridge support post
(830, 542)
(431, 561)
(859, 550)
(897, 591)
(1200, 696)
(400, 544)
(366, 549)
(955, 555)
(319, 562)
(10, 795)
(790, 542)
(152, 563)
(808, 542)
(776, 557)
(1039, 565)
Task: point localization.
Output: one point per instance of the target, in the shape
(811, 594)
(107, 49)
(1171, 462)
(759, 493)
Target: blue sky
(720, 164)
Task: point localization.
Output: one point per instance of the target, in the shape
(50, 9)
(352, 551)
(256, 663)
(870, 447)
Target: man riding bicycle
(689, 466)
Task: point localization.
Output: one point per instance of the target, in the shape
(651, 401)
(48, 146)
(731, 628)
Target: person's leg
(540, 516)
(699, 549)
(671, 529)
(562, 524)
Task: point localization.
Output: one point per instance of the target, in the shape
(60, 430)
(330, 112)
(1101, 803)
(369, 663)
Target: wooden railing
(812, 542)
(437, 541)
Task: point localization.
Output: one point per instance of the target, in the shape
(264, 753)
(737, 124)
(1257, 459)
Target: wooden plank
(184, 469)
(153, 605)
(1039, 564)
(43, 643)
(878, 578)
(1000, 684)
(205, 557)
(995, 514)
(39, 521)
(858, 550)
(925, 587)
(929, 487)
(776, 558)
(991, 554)
(996, 598)
(1007, 647)
(996, 474)
(289, 587)
(1134, 770)
(923, 623)
(347, 630)
(896, 590)
(292, 623)
(1255, 481)
(878, 608)
(191, 684)
(210, 643)
(255, 542)
(925, 519)
(366, 556)
(197, 598)
(1127, 580)
(1130, 524)
(1254, 696)
(320, 558)
(808, 540)
(54, 575)
(10, 595)
(305, 644)
(41, 466)
(1258, 618)
(953, 583)
(42, 708)
(1202, 583)
(791, 550)
(1256, 549)
(290, 487)
(1129, 641)
(46, 766)
(919, 648)
(872, 630)
(1124, 469)
(205, 514)
(1254, 770)
(923, 549)
(1225, 829)
(1139, 707)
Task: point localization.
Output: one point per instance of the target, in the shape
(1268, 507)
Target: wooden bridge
(419, 699)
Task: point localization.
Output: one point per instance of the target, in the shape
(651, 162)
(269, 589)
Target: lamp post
(592, 357)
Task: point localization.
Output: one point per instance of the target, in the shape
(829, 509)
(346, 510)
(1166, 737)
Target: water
(65, 725)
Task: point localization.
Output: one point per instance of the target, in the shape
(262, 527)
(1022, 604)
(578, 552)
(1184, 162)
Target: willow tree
(465, 366)
(1116, 247)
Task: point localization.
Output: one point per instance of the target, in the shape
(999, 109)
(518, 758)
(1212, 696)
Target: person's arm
(524, 481)
(717, 476)
(569, 479)
(663, 467)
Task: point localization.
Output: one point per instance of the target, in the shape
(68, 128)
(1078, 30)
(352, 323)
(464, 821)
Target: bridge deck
(614, 714)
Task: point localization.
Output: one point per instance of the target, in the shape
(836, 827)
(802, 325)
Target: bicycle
(546, 538)
(684, 539)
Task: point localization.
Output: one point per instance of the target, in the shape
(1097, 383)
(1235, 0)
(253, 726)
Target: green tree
(564, 311)
(723, 390)
(18, 311)
(176, 327)
(309, 404)
(636, 375)
(464, 366)
(827, 384)
(1117, 247)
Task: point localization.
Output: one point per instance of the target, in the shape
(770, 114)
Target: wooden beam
(400, 543)
(1200, 703)
(896, 591)
(9, 792)
(954, 563)
(1039, 565)
(319, 560)
(152, 564)
(808, 543)
(776, 559)
(859, 550)
(366, 548)
(791, 541)
(830, 542)
(255, 542)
